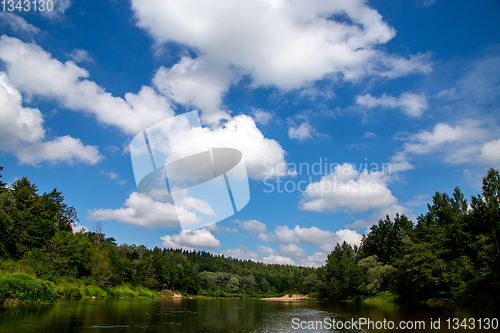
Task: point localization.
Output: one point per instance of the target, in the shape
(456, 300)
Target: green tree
(380, 277)
(2, 184)
(233, 284)
(342, 274)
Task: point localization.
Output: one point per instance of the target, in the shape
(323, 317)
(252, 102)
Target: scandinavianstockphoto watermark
(335, 177)
(357, 324)
(418, 325)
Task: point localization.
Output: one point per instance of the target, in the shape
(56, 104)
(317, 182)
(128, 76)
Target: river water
(226, 315)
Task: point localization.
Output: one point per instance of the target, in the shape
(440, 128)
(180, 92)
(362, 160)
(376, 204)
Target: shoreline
(288, 298)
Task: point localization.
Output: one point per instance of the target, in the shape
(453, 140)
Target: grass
(382, 297)
(385, 297)
(22, 288)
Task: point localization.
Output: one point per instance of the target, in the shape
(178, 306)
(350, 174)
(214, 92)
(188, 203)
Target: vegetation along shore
(451, 253)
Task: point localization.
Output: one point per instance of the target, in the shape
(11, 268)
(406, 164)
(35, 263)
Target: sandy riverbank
(287, 298)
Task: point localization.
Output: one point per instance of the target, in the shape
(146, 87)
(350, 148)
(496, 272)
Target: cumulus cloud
(291, 254)
(413, 105)
(142, 210)
(277, 259)
(242, 252)
(286, 254)
(265, 249)
(67, 83)
(62, 149)
(292, 250)
(302, 132)
(287, 44)
(22, 133)
(252, 225)
(196, 83)
(261, 116)
(490, 152)
(469, 141)
(190, 240)
(220, 230)
(324, 239)
(240, 132)
(346, 188)
(18, 24)
(318, 259)
(382, 214)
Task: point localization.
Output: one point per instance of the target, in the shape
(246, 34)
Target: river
(226, 315)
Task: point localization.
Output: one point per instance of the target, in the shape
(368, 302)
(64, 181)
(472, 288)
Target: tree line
(451, 252)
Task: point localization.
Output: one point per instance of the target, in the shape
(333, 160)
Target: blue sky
(408, 90)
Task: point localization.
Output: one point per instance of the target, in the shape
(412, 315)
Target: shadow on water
(222, 315)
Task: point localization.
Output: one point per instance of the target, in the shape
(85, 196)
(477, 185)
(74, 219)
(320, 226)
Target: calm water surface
(218, 316)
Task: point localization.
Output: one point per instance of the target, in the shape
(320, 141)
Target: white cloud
(112, 149)
(265, 249)
(369, 135)
(491, 152)
(426, 3)
(62, 149)
(18, 24)
(22, 133)
(413, 105)
(142, 210)
(241, 253)
(470, 141)
(261, 36)
(79, 55)
(220, 230)
(345, 188)
(287, 254)
(198, 205)
(114, 176)
(58, 9)
(382, 214)
(318, 259)
(288, 44)
(302, 132)
(277, 259)
(196, 83)
(292, 250)
(66, 83)
(189, 240)
(324, 239)
(77, 228)
(429, 141)
(261, 116)
(240, 132)
(252, 225)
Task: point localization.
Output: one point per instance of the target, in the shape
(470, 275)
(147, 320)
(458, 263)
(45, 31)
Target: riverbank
(22, 288)
(288, 298)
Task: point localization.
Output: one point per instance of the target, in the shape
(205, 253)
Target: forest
(451, 253)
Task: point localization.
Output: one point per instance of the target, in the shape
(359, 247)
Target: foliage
(451, 252)
(26, 288)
